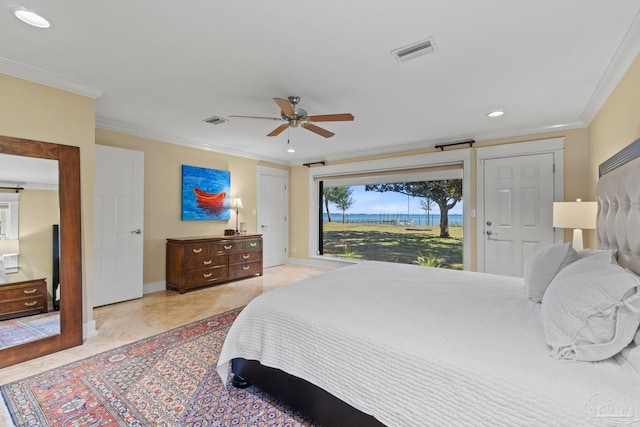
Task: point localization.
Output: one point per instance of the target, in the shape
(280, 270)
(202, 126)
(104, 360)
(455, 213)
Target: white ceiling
(158, 69)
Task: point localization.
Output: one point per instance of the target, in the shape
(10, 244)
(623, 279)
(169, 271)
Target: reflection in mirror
(29, 216)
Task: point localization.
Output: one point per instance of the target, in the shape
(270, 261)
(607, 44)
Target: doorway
(119, 210)
(273, 211)
(516, 191)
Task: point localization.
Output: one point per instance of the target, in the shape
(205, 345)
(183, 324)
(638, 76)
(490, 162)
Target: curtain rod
(17, 189)
(468, 141)
(314, 163)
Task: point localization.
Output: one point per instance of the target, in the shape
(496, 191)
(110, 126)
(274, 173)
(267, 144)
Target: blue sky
(372, 202)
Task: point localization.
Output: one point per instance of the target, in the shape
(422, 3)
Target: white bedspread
(419, 346)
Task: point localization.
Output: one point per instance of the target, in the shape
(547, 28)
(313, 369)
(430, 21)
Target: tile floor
(125, 322)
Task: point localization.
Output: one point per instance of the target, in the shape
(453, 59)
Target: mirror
(29, 217)
(67, 161)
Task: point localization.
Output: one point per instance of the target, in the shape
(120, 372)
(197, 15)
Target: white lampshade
(9, 246)
(577, 215)
(236, 203)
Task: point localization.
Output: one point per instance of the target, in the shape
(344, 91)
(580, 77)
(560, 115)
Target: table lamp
(578, 215)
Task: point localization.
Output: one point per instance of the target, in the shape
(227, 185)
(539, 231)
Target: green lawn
(393, 243)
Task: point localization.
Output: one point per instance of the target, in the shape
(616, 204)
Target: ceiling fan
(294, 116)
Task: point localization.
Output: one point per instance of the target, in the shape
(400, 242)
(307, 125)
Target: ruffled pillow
(591, 310)
(541, 267)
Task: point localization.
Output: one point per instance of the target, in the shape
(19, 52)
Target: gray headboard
(618, 196)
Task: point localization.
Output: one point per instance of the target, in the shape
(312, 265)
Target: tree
(427, 205)
(446, 193)
(339, 196)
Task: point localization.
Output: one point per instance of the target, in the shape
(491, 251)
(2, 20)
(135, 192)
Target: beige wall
(162, 193)
(616, 125)
(38, 212)
(576, 184)
(34, 111)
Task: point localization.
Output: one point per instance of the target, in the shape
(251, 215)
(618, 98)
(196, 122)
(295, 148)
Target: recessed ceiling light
(31, 18)
(496, 113)
(290, 150)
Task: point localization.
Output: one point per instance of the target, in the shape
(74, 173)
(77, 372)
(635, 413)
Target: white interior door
(119, 210)
(518, 200)
(272, 218)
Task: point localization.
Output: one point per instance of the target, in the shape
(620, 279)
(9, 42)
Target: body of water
(398, 219)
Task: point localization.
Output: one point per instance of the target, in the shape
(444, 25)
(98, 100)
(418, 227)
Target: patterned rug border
(144, 382)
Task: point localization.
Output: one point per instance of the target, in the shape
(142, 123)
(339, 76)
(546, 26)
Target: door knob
(137, 231)
(489, 223)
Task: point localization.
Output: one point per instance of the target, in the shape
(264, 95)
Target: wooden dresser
(20, 298)
(193, 262)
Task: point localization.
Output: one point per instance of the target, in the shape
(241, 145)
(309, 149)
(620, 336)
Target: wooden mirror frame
(70, 335)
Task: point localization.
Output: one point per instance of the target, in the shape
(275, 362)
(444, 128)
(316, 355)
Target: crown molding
(131, 130)
(58, 81)
(622, 59)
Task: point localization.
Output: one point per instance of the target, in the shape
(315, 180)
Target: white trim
(622, 59)
(462, 156)
(89, 329)
(148, 288)
(553, 145)
(171, 139)
(321, 262)
(58, 81)
(282, 173)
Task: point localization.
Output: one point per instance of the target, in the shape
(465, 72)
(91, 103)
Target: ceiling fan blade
(278, 130)
(285, 106)
(257, 117)
(345, 117)
(318, 130)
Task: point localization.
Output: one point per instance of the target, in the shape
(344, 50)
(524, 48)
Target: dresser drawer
(245, 269)
(23, 305)
(252, 244)
(199, 262)
(225, 246)
(245, 257)
(200, 277)
(21, 292)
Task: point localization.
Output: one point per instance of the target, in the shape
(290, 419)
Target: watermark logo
(606, 412)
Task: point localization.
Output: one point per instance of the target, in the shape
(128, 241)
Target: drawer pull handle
(30, 304)
(246, 256)
(197, 251)
(246, 267)
(32, 291)
(207, 275)
(207, 262)
(228, 246)
(253, 244)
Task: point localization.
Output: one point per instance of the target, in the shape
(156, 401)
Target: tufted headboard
(618, 197)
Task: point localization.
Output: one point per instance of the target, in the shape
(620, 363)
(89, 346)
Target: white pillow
(591, 310)
(609, 255)
(541, 267)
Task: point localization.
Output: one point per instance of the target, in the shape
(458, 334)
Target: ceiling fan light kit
(295, 116)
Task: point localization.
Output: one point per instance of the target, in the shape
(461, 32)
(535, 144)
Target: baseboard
(322, 262)
(89, 329)
(147, 288)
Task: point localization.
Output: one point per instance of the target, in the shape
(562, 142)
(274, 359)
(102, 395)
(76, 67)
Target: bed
(399, 345)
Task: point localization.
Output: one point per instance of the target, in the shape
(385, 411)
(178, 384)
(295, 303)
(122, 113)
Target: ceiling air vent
(414, 50)
(215, 120)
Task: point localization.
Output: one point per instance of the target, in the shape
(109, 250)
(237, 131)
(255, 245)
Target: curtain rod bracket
(468, 141)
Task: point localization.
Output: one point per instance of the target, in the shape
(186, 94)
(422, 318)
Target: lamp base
(577, 239)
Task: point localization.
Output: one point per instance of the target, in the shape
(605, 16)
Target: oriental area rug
(168, 380)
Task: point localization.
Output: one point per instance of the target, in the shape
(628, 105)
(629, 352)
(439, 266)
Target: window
(390, 228)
